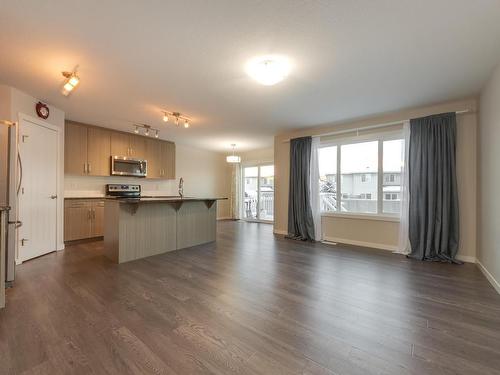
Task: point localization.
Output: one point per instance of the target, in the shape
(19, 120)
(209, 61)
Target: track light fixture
(177, 116)
(72, 80)
(147, 130)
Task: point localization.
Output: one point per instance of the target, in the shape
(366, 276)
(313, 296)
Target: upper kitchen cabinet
(75, 148)
(138, 146)
(86, 150)
(98, 151)
(167, 160)
(130, 145)
(120, 144)
(153, 150)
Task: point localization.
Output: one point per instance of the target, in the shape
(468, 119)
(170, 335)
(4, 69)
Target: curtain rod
(369, 127)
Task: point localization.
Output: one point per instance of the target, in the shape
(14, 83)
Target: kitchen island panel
(196, 223)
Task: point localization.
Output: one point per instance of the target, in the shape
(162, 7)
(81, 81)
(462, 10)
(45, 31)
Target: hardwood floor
(251, 303)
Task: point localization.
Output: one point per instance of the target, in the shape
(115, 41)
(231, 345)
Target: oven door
(124, 166)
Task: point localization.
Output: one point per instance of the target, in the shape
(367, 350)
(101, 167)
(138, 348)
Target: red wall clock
(42, 110)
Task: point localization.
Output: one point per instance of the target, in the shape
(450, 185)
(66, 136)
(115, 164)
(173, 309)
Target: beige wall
(204, 173)
(489, 173)
(384, 234)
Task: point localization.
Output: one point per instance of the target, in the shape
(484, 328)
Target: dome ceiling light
(268, 70)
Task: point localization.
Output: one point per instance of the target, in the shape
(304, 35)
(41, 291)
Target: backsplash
(85, 186)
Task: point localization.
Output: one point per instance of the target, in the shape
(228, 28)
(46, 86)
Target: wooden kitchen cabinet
(120, 144)
(97, 222)
(83, 218)
(86, 150)
(75, 149)
(138, 146)
(98, 152)
(167, 160)
(153, 150)
(123, 144)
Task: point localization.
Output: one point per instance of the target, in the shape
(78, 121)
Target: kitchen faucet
(181, 187)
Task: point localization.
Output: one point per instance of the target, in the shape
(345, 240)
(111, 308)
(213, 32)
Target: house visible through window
(353, 167)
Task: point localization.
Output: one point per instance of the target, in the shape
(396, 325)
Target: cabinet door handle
(88, 168)
(89, 216)
(84, 167)
(93, 213)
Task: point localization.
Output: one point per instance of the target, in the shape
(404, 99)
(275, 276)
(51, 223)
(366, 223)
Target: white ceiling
(351, 59)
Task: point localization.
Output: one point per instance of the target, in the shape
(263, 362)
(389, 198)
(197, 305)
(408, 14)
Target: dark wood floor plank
(251, 303)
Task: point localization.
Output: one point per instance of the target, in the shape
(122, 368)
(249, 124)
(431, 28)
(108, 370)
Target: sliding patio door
(258, 193)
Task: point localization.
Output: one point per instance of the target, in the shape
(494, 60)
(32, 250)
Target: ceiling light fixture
(177, 118)
(233, 158)
(72, 80)
(268, 70)
(147, 130)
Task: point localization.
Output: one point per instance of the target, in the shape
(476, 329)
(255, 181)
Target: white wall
(489, 180)
(204, 173)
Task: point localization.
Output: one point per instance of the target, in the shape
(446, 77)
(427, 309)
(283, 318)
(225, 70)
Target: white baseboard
(361, 243)
(466, 258)
(280, 231)
(60, 247)
(489, 276)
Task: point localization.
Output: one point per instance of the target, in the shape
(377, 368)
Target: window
(393, 161)
(361, 177)
(358, 176)
(328, 178)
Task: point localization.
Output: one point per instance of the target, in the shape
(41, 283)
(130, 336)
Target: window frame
(380, 138)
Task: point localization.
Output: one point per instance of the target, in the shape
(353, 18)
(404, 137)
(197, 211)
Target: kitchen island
(136, 228)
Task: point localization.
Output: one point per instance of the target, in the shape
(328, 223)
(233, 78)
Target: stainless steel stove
(123, 191)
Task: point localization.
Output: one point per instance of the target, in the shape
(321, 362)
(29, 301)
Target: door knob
(53, 197)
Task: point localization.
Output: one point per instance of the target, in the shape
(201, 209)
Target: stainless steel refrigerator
(10, 180)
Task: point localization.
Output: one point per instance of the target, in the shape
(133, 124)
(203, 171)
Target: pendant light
(233, 158)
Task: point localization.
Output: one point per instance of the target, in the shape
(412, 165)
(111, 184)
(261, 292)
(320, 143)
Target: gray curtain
(300, 218)
(433, 219)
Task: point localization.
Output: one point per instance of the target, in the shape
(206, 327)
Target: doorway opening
(258, 193)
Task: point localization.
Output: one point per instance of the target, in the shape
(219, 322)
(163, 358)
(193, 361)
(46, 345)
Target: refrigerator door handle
(20, 173)
(17, 223)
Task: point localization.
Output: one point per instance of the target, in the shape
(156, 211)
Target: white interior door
(38, 195)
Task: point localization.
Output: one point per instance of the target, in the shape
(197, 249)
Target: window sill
(376, 217)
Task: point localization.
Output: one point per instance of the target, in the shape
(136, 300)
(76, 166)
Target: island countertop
(166, 199)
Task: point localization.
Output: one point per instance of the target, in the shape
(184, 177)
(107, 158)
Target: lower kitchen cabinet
(83, 218)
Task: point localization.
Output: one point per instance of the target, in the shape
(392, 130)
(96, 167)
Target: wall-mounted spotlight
(177, 116)
(72, 80)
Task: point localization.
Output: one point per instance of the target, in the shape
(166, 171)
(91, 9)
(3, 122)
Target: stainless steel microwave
(125, 166)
